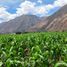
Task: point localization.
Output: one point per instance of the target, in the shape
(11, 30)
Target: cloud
(25, 8)
(40, 10)
(5, 16)
(32, 8)
(60, 3)
(40, 1)
(10, 4)
(28, 7)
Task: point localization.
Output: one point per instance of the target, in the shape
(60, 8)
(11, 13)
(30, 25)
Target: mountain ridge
(19, 24)
(32, 23)
(55, 22)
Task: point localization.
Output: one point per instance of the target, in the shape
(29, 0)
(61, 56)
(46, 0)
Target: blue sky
(9, 9)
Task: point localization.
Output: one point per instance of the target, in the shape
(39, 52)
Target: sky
(10, 9)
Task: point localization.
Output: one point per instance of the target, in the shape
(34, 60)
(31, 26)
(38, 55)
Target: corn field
(45, 49)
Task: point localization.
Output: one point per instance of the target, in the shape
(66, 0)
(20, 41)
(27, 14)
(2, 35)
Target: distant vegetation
(33, 50)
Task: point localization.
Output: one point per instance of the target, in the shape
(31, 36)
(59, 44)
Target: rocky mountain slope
(19, 24)
(32, 23)
(55, 22)
(58, 21)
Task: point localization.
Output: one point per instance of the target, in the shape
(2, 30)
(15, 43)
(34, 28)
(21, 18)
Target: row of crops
(33, 50)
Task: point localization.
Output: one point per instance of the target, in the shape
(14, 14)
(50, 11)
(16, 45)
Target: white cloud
(40, 1)
(27, 7)
(30, 7)
(4, 15)
(40, 10)
(49, 6)
(60, 3)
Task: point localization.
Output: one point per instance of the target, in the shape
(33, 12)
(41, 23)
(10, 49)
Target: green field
(33, 50)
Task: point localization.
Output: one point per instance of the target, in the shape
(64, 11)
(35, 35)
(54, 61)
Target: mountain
(38, 27)
(32, 23)
(19, 24)
(55, 22)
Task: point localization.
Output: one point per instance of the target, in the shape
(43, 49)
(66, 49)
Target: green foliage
(61, 64)
(33, 49)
